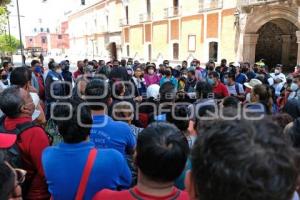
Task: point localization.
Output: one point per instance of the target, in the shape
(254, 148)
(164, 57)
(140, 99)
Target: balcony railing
(257, 2)
(145, 17)
(124, 22)
(212, 5)
(172, 12)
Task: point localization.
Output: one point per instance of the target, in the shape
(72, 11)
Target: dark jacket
(119, 74)
(67, 75)
(190, 85)
(58, 88)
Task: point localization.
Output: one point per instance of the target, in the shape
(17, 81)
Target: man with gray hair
(17, 105)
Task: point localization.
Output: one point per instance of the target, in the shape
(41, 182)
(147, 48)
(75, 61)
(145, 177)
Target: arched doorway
(112, 49)
(277, 43)
(256, 35)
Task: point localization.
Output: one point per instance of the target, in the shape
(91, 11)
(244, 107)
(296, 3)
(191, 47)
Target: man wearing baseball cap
(7, 140)
(18, 107)
(240, 77)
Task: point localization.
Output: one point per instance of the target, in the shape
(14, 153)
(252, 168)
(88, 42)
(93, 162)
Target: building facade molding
(263, 15)
(259, 16)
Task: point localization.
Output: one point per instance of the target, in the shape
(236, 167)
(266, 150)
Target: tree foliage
(8, 45)
(4, 2)
(3, 19)
(3, 15)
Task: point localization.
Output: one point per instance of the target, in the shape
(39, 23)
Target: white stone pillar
(286, 46)
(298, 41)
(249, 47)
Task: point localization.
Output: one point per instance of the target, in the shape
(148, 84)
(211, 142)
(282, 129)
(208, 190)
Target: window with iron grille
(149, 52)
(175, 51)
(213, 51)
(128, 50)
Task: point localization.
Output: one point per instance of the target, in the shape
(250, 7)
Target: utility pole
(20, 33)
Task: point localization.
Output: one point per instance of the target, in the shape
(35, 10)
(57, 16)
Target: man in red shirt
(161, 156)
(79, 72)
(17, 105)
(22, 76)
(219, 89)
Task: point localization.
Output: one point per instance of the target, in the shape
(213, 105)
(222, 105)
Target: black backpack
(12, 154)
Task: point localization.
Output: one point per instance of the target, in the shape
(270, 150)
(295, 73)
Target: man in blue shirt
(169, 78)
(64, 164)
(105, 132)
(240, 77)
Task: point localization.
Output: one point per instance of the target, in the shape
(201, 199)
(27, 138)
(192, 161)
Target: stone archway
(260, 17)
(263, 15)
(277, 43)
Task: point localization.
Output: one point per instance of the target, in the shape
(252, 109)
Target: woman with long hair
(262, 94)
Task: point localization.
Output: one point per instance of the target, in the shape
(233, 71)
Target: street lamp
(20, 33)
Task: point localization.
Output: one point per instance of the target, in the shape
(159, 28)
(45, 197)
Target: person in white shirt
(139, 81)
(277, 79)
(234, 88)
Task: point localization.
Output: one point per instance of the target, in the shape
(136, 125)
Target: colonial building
(154, 30)
(95, 31)
(50, 42)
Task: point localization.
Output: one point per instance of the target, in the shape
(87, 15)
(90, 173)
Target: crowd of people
(130, 130)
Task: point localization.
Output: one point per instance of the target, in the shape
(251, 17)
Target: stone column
(286, 46)
(249, 47)
(298, 41)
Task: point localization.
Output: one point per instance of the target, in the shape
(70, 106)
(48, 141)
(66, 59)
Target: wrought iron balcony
(257, 2)
(212, 5)
(145, 17)
(172, 12)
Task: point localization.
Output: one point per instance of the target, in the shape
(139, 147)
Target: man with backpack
(234, 88)
(17, 105)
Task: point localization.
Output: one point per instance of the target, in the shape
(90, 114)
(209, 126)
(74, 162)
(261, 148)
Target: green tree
(3, 19)
(4, 2)
(8, 45)
(3, 15)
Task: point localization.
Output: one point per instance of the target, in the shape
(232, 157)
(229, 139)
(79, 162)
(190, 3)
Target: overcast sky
(34, 11)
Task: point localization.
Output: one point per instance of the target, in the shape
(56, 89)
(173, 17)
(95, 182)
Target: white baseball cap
(253, 83)
(236, 64)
